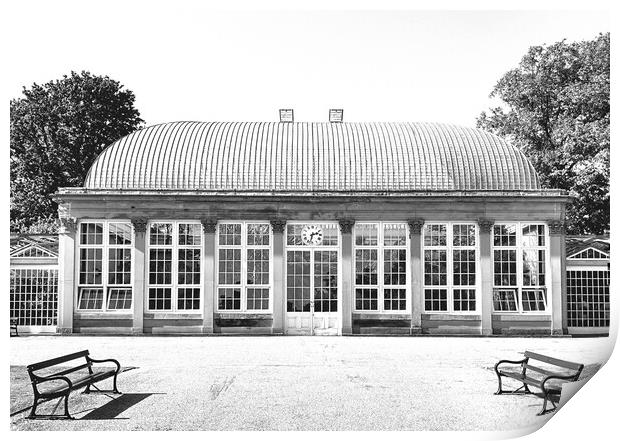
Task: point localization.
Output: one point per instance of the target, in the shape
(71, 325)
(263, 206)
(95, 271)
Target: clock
(312, 235)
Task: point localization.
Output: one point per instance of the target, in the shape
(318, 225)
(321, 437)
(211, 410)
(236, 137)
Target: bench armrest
(108, 360)
(39, 380)
(558, 377)
(510, 362)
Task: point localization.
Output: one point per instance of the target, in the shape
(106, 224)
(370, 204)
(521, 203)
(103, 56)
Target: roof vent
(335, 115)
(286, 115)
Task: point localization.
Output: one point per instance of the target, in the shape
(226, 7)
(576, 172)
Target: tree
(556, 109)
(57, 131)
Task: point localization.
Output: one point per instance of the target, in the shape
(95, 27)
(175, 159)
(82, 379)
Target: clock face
(312, 235)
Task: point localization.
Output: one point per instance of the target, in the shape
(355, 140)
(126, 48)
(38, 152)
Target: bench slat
(57, 360)
(71, 370)
(541, 370)
(554, 361)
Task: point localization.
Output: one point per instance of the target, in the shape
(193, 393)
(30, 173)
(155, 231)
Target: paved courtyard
(296, 383)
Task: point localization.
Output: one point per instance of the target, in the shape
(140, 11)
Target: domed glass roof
(311, 157)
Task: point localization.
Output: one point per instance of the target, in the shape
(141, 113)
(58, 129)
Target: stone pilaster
(278, 227)
(346, 265)
(66, 274)
(139, 273)
(557, 284)
(485, 228)
(415, 259)
(209, 299)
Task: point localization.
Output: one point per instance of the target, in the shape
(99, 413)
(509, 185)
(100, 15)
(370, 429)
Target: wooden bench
(549, 382)
(14, 332)
(62, 385)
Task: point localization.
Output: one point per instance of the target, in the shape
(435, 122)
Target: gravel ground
(296, 383)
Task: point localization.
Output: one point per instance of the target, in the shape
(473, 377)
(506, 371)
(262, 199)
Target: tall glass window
(450, 267)
(244, 266)
(105, 255)
(381, 267)
(519, 267)
(174, 262)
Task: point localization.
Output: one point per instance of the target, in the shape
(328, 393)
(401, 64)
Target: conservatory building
(327, 228)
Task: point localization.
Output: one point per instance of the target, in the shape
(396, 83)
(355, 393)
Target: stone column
(209, 298)
(139, 274)
(486, 275)
(279, 299)
(66, 272)
(346, 227)
(558, 275)
(417, 264)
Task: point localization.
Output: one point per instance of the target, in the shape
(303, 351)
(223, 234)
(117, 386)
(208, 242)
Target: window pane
(229, 299)
(435, 235)
(366, 267)
(91, 233)
(533, 236)
(435, 299)
(230, 266)
(258, 266)
(504, 300)
(189, 266)
(395, 299)
(395, 267)
(258, 298)
(161, 234)
(119, 298)
(160, 299)
(258, 234)
(533, 300)
(90, 298)
(394, 235)
(366, 234)
(230, 234)
(91, 266)
(505, 235)
(366, 299)
(464, 299)
(120, 233)
(190, 234)
(505, 267)
(533, 267)
(435, 267)
(464, 267)
(464, 235)
(119, 266)
(160, 266)
(188, 298)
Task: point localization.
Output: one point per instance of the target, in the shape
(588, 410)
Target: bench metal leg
(115, 389)
(67, 407)
(33, 410)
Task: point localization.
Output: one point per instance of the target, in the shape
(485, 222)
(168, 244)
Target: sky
(191, 62)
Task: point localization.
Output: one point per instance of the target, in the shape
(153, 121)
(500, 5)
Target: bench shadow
(115, 407)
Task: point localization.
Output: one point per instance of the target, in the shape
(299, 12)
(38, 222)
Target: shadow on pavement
(113, 408)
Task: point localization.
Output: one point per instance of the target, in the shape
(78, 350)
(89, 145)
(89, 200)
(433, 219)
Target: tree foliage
(57, 131)
(556, 109)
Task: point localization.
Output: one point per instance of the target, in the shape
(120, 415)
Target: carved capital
(209, 224)
(556, 227)
(139, 224)
(346, 225)
(68, 225)
(485, 225)
(278, 225)
(415, 226)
